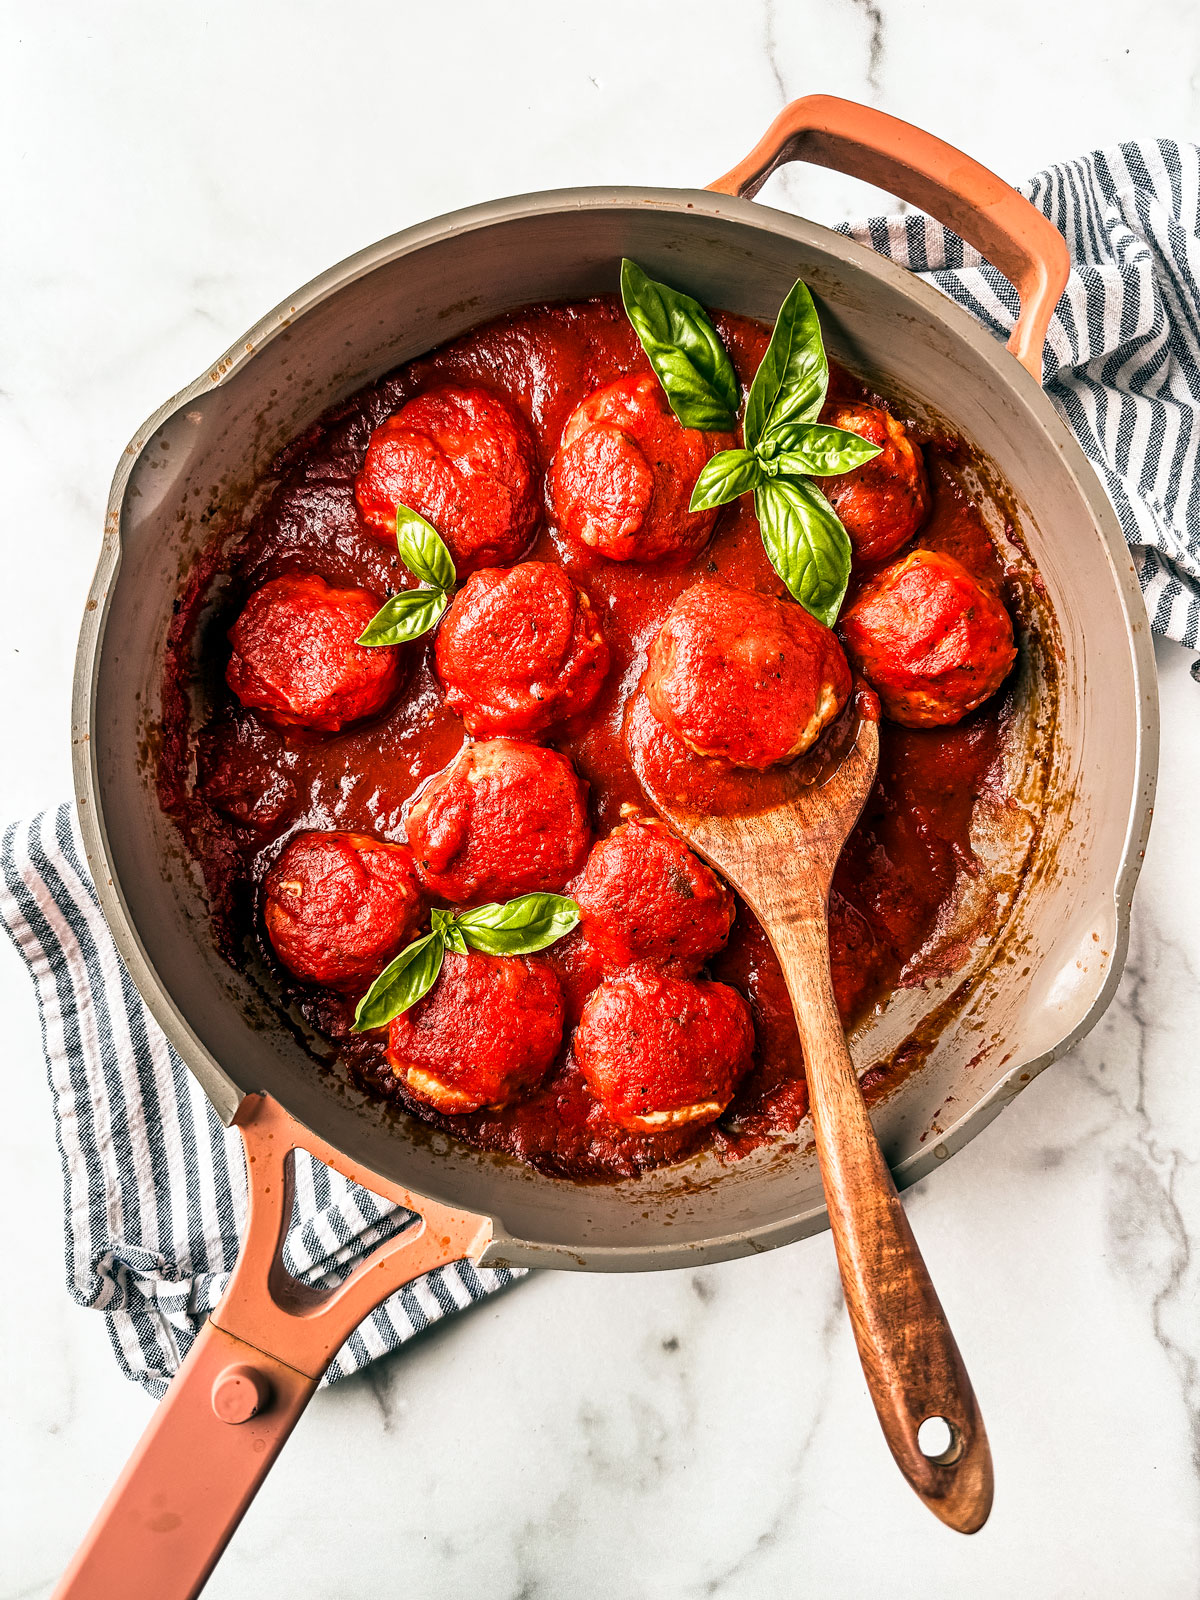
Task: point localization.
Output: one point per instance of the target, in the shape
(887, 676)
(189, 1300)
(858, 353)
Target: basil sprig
(412, 612)
(786, 447)
(520, 927)
(685, 351)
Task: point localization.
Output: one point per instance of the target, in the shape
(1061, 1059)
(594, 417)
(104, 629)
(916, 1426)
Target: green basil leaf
(521, 927)
(806, 544)
(685, 351)
(401, 983)
(793, 376)
(446, 923)
(819, 451)
(423, 550)
(690, 399)
(405, 616)
(726, 476)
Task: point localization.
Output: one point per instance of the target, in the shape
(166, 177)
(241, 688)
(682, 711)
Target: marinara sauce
(239, 788)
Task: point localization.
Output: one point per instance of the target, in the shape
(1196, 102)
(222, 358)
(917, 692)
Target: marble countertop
(169, 173)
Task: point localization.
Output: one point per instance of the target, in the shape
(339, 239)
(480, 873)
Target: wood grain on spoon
(779, 854)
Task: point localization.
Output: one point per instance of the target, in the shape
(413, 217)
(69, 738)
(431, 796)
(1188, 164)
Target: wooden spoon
(781, 859)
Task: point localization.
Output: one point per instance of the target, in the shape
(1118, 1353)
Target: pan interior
(972, 1035)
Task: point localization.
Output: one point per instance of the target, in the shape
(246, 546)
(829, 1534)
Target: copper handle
(251, 1372)
(980, 207)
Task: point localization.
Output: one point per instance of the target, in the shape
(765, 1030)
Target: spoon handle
(911, 1362)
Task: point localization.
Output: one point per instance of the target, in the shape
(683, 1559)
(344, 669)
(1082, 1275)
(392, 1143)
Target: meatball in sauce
(931, 640)
(462, 458)
(644, 896)
(504, 819)
(339, 906)
(296, 659)
(519, 650)
(883, 503)
(744, 677)
(487, 1030)
(663, 1052)
(624, 472)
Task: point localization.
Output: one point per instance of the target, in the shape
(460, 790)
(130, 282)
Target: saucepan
(1061, 863)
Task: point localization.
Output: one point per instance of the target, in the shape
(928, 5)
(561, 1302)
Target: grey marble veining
(661, 1437)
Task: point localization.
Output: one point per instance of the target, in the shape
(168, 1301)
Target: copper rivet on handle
(239, 1393)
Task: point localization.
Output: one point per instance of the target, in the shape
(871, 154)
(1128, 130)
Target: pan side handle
(980, 207)
(250, 1373)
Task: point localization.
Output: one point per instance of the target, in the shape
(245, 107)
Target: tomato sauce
(239, 789)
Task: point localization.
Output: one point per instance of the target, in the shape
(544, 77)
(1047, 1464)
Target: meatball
(464, 459)
(643, 896)
(659, 1051)
(929, 639)
(339, 906)
(503, 819)
(624, 474)
(884, 502)
(296, 660)
(519, 649)
(744, 676)
(489, 1028)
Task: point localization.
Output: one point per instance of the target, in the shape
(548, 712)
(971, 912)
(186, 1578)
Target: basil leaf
(521, 927)
(401, 983)
(423, 550)
(446, 923)
(793, 376)
(726, 476)
(819, 451)
(691, 401)
(685, 351)
(806, 544)
(405, 616)
(414, 611)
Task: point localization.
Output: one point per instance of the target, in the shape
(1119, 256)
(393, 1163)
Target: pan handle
(250, 1373)
(980, 207)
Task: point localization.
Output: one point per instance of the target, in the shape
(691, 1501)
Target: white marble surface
(168, 173)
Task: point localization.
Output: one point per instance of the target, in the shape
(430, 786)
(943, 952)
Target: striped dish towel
(1122, 360)
(155, 1186)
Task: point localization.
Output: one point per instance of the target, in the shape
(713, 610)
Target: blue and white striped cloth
(1122, 360)
(155, 1186)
